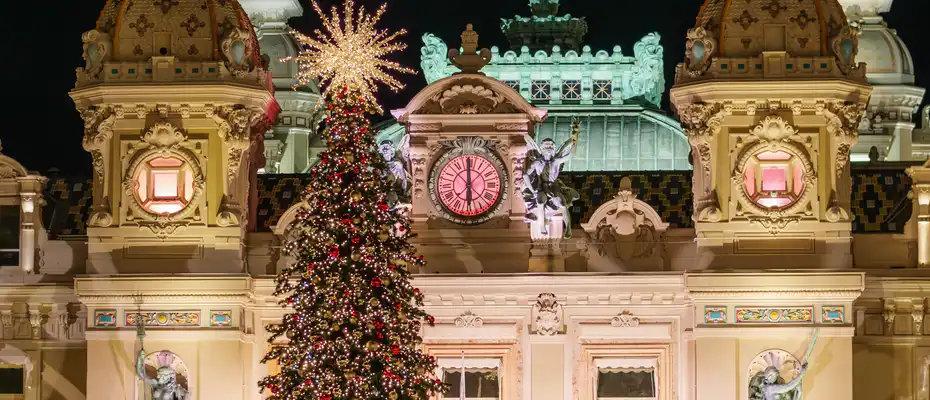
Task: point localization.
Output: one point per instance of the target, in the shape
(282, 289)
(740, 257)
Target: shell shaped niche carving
(786, 363)
(469, 99)
(165, 358)
(774, 129)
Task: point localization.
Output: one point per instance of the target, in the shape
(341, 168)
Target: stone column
(920, 193)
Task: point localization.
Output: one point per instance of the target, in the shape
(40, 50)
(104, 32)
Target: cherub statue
(165, 386)
(544, 194)
(769, 385)
(397, 159)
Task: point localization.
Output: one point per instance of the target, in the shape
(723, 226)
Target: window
(626, 379)
(12, 382)
(514, 84)
(482, 379)
(540, 90)
(164, 185)
(773, 179)
(9, 235)
(603, 89)
(571, 90)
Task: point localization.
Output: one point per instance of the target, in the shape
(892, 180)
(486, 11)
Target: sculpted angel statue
(165, 386)
(544, 194)
(397, 173)
(769, 385)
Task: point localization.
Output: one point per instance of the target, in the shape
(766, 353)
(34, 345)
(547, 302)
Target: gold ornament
(356, 255)
(349, 156)
(349, 52)
(371, 345)
(356, 220)
(393, 396)
(374, 302)
(356, 195)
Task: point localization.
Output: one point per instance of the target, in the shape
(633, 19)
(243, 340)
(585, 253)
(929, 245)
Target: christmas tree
(355, 326)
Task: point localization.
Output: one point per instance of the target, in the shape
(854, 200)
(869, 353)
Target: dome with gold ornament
(174, 34)
(811, 38)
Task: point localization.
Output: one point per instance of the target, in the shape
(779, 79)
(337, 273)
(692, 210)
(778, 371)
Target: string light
(350, 51)
(354, 329)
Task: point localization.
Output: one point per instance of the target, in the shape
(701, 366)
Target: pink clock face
(468, 185)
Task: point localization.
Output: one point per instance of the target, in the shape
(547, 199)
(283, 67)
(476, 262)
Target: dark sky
(43, 130)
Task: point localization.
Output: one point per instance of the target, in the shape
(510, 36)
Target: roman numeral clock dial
(468, 188)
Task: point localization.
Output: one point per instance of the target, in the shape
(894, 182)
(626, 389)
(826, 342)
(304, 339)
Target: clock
(468, 183)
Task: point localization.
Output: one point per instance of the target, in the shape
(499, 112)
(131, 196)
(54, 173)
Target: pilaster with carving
(235, 127)
(843, 128)
(702, 122)
(98, 133)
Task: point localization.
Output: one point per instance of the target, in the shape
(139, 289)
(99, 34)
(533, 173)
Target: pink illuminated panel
(469, 185)
(774, 180)
(164, 185)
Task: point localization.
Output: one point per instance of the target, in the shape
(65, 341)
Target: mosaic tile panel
(164, 318)
(220, 318)
(762, 315)
(833, 314)
(104, 318)
(715, 315)
(668, 192)
(68, 205)
(277, 193)
(879, 200)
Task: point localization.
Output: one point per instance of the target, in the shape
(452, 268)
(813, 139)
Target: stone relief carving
(648, 77)
(917, 314)
(624, 320)
(97, 51)
(889, 313)
(625, 228)
(235, 126)
(700, 47)
(843, 125)
(464, 97)
(236, 48)
(433, 57)
(702, 122)
(165, 140)
(845, 47)
(469, 320)
(547, 315)
(98, 130)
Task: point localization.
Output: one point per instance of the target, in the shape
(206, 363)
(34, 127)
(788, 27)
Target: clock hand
(468, 181)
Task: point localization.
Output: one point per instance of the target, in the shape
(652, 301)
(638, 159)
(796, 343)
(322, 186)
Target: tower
(771, 96)
(175, 99)
(890, 120)
(291, 145)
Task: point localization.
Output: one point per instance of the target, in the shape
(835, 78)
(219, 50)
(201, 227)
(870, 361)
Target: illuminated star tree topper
(350, 52)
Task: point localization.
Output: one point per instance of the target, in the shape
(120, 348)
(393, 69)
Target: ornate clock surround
(469, 146)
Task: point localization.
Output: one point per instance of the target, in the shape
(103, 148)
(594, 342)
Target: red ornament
(334, 252)
(395, 349)
(376, 282)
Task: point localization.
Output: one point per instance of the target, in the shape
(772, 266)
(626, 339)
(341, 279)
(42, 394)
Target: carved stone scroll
(98, 132)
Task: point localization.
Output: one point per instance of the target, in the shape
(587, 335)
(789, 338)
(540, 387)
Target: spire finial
(470, 60)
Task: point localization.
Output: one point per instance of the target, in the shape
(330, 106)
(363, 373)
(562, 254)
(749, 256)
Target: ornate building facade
(597, 262)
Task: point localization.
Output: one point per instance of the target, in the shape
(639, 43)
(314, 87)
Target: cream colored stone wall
(64, 374)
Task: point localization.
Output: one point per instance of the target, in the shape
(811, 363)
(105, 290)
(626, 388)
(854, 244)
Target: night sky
(43, 130)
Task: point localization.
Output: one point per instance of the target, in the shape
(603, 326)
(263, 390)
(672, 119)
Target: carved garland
(162, 140)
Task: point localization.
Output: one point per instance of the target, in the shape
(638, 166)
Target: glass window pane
(11, 381)
(484, 384)
(9, 235)
(625, 384)
(165, 184)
